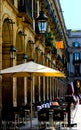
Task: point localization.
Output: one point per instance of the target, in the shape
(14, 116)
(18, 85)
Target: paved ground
(75, 118)
(27, 126)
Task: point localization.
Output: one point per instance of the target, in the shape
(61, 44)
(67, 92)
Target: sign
(59, 44)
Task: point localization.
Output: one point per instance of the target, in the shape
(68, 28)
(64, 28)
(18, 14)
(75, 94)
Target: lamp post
(12, 52)
(24, 58)
(42, 22)
(24, 54)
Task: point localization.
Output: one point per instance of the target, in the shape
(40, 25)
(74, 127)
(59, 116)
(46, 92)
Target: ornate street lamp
(42, 22)
(24, 58)
(24, 54)
(12, 52)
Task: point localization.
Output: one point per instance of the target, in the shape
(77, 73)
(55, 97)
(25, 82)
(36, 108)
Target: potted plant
(49, 39)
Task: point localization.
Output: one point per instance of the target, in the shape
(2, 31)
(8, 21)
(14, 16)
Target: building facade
(18, 33)
(74, 49)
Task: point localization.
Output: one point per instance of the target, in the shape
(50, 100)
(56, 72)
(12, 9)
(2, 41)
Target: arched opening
(7, 83)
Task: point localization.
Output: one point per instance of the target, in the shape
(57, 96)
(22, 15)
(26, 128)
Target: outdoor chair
(45, 118)
(59, 116)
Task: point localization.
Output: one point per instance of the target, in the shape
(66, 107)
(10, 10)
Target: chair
(43, 117)
(27, 115)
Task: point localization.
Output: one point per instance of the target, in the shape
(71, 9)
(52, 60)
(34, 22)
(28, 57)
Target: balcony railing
(25, 7)
(73, 49)
(54, 51)
(59, 59)
(76, 61)
(50, 11)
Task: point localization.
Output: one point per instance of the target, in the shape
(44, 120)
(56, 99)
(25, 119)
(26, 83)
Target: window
(21, 2)
(76, 44)
(77, 70)
(76, 56)
(25, 6)
(12, 1)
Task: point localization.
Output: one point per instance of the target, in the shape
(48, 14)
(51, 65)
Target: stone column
(55, 87)
(39, 53)
(14, 92)
(33, 89)
(43, 81)
(51, 85)
(50, 88)
(47, 84)
(39, 88)
(25, 90)
(37, 8)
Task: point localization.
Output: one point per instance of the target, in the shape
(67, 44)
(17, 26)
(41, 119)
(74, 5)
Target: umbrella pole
(31, 103)
(69, 114)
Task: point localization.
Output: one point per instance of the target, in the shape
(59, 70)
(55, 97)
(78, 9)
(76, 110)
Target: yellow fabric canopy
(31, 69)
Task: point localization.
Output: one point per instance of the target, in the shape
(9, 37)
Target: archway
(7, 84)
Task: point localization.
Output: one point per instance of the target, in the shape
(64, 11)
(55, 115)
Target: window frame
(76, 56)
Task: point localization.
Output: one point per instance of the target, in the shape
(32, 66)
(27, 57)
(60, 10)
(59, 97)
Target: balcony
(50, 11)
(59, 60)
(54, 51)
(76, 61)
(24, 8)
(73, 49)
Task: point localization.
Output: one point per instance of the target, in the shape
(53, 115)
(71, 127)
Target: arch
(7, 41)
(7, 32)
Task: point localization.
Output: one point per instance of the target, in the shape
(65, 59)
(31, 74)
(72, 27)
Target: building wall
(15, 92)
(74, 65)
